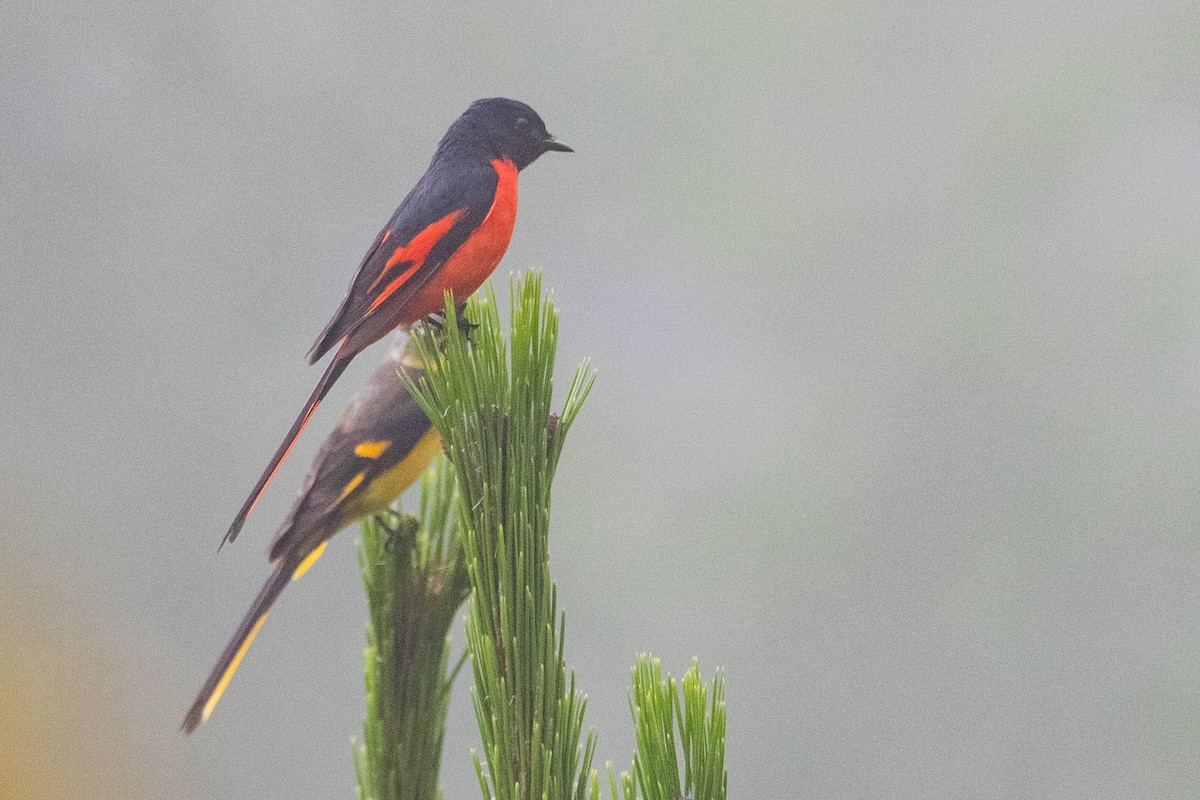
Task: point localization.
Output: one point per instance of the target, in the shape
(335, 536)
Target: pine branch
(659, 709)
(492, 407)
(416, 579)
(490, 400)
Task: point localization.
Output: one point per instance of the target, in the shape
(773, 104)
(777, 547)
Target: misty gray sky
(894, 307)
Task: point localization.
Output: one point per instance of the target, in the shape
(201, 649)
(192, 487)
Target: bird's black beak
(550, 143)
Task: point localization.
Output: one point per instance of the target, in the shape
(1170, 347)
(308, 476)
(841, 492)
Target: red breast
(474, 260)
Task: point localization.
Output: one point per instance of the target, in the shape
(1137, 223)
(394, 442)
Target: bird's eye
(522, 122)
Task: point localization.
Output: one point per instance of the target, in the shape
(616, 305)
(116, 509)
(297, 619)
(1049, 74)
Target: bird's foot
(397, 525)
(437, 322)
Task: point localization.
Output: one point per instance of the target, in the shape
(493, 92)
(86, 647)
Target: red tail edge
(332, 373)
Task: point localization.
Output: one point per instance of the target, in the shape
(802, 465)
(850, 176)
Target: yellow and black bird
(381, 445)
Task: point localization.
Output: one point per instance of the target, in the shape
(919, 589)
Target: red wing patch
(412, 255)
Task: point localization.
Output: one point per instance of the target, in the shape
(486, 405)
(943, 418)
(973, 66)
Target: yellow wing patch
(309, 560)
(372, 449)
(352, 485)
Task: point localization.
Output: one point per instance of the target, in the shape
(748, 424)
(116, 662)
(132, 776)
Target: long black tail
(332, 373)
(237, 647)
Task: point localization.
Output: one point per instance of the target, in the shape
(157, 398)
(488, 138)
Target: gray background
(895, 312)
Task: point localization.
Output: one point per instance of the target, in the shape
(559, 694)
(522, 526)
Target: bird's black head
(511, 129)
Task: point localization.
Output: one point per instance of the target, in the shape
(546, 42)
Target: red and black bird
(449, 233)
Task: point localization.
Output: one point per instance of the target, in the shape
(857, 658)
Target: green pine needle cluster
(483, 531)
(491, 402)
(660, 710)
(416, 580)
